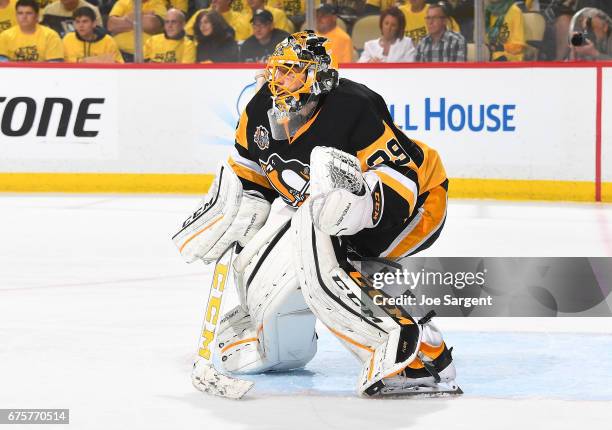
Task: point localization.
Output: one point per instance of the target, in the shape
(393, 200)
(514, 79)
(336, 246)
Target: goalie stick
(204, 376)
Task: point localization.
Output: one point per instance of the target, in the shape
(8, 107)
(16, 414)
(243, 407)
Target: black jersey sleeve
(246, 168)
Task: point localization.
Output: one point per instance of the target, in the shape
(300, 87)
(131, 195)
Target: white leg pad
(278, 318)
(330, 292)
(237, 342)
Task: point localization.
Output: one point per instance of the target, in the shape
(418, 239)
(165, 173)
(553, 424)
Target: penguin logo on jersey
(290, 179)
(262, 137)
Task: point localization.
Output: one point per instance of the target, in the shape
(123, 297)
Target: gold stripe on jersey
(431, 173)
(431, 217)
(387, 149)
(241, 131)
(402, 186)
(248, 174)
(381, 144)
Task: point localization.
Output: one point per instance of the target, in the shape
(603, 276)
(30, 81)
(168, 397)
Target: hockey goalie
(320, 177)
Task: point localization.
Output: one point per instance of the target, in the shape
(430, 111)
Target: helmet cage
(287, 92)
(304, 56)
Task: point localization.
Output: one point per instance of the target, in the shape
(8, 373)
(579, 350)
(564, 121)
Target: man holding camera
(595, 41)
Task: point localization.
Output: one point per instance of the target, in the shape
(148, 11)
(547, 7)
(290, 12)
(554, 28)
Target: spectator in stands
(415, 12)
(8, 17)
(105, 6)
(392, 46)
(121, 23)
(504, 30)
(327, 25)
(238, 21)
(440, 44)
(89, 43)
(29, 41)
(563, 10)
(462, 12)
(58, 15)
(172, 46)
(374, 7)
(258, 47)
(280, 19)
(215, 39)
(557, 14)
(601, 28)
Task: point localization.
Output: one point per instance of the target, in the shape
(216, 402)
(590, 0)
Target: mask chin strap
(284, 125)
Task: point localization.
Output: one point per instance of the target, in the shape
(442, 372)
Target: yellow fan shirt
(159, 49)
(511, 39)
(239, 5)
(125, 40)
(77, 50)
(182, 5)
(382, 4)
(42, 45)
(8, 16)
(341, 46)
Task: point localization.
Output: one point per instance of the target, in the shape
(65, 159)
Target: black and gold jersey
(356, 120)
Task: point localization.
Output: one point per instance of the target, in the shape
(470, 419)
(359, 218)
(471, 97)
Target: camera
(580, 38)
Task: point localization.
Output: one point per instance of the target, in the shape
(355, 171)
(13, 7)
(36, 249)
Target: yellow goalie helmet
(300, 69)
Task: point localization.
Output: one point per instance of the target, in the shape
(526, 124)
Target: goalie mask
(298, 72)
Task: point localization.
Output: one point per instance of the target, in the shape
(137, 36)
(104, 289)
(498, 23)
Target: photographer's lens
(577, 39)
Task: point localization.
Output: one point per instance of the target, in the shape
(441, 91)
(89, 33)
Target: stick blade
(209, 380)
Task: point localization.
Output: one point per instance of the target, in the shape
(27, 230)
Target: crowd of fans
(200, 31)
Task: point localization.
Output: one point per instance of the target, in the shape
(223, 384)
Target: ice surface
(99, 314)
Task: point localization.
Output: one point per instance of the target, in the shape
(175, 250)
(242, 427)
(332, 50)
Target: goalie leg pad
(429, 370)
(332, 294)
(237, 342)
(278, 317)
(386, 345)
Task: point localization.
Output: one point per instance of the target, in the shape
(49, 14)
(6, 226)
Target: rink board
(503, 132)
(606, 134)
